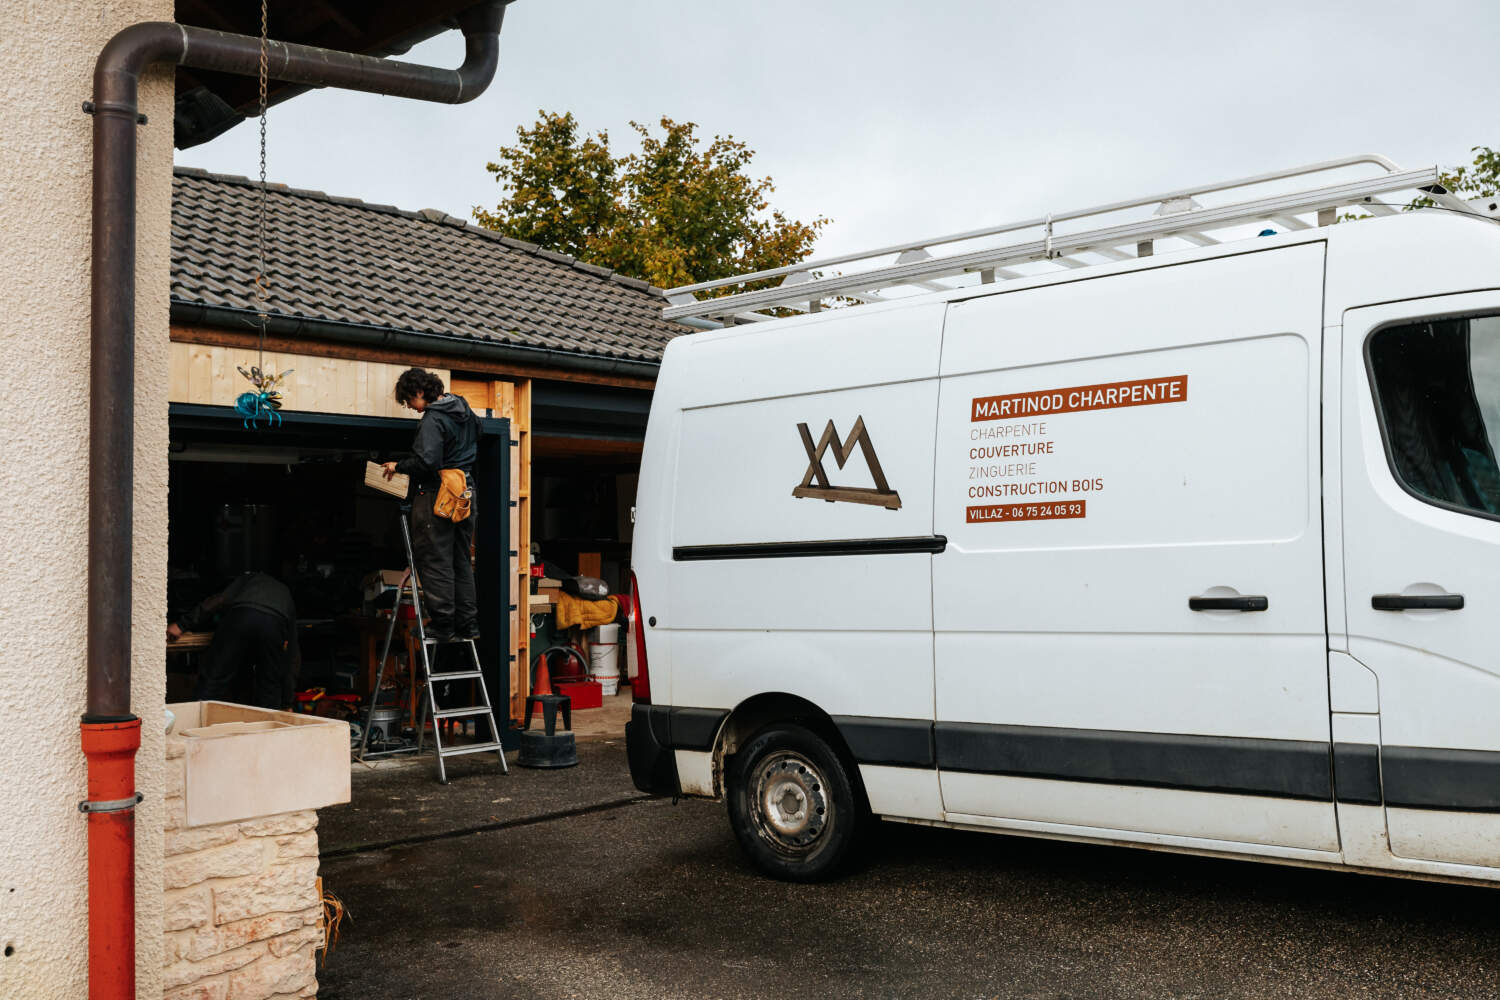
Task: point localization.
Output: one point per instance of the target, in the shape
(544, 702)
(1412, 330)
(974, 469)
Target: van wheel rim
(790, 802)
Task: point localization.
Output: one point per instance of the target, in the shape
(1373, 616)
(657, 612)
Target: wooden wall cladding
(208, 375)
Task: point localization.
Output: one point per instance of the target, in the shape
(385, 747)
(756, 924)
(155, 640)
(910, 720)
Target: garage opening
(291, 503)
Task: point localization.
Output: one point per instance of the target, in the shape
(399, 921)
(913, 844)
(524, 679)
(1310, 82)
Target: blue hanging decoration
(264, 402)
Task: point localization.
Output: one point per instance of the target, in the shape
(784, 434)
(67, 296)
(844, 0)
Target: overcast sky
(900, 120)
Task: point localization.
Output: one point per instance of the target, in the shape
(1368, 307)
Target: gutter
(110, 732)
(369, 335)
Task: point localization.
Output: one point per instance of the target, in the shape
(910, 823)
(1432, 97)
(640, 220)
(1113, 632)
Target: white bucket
(604, 657)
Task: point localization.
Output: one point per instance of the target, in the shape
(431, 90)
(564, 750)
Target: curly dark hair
(418, 380)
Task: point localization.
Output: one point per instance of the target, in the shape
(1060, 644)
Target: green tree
(1481, 179)
(562, 187)
(674, 212)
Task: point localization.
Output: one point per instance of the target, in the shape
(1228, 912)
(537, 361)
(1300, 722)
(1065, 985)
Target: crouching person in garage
(254, 656)
(446, 445)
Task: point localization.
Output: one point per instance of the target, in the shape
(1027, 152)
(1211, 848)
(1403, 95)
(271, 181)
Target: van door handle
(1239, 602)
(1417, 602)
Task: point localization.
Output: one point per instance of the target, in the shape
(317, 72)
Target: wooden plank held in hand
(396, 486)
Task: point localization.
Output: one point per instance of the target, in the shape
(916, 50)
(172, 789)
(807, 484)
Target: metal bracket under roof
(1178, 215)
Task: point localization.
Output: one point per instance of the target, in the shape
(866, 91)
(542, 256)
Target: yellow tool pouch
(454, 497)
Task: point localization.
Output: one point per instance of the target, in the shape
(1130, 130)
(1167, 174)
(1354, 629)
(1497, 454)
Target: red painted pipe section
(110, 748)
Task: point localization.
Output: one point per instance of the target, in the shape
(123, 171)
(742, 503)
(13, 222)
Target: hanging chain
(260, 275)
(265, 402)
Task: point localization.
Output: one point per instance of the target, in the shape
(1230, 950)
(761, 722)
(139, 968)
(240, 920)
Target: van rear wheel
(792, 805)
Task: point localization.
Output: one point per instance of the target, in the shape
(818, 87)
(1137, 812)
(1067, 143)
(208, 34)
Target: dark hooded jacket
(447, 438)
(255, 590)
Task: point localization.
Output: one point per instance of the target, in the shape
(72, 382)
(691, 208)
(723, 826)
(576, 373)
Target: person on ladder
(446, 444)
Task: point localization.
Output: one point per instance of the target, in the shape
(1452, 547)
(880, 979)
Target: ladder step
(411, 597)
(470, 748)
(455, 713)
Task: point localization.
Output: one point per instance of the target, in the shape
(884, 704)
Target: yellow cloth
(585, 613)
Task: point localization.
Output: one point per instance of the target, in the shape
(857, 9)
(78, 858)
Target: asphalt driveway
(570, 884)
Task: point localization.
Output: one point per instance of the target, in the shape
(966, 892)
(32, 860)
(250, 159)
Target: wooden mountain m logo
(881, 496)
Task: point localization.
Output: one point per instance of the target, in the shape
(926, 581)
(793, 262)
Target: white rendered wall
(47, 53)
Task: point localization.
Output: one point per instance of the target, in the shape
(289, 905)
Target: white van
(1197, 550)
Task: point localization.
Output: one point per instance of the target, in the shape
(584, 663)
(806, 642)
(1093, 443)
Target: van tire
(792, 806)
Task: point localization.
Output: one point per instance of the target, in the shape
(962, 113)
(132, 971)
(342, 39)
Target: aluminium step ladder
(407, 595)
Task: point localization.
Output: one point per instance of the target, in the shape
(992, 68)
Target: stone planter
(243, 906)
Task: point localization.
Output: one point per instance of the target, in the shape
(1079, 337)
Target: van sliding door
(1129, 624)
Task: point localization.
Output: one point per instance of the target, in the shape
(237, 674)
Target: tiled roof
(346, 261)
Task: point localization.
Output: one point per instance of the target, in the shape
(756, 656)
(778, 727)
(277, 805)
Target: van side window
(1437, 388)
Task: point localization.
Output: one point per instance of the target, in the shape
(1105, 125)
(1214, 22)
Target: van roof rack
(806, 286)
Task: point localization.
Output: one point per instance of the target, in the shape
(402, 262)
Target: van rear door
(1129, 620)
(1421, 513)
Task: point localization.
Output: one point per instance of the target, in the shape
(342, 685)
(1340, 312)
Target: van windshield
(1437, 388)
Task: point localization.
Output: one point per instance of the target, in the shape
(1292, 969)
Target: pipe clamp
(90, 108)
(111, 805)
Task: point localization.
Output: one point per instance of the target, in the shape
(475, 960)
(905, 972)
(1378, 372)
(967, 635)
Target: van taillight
(641, 686)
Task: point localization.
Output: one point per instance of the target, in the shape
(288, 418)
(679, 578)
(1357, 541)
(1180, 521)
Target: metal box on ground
(585, 694)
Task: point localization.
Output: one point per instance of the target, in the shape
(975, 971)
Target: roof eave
(447, 345)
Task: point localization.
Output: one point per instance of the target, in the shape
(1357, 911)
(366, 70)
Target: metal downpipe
(110, 732)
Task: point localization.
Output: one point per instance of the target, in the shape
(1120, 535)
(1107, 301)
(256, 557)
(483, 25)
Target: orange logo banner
(1105, 396)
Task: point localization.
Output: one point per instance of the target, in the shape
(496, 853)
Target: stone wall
(242, 915)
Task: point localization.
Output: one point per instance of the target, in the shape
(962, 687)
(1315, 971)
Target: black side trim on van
(695, 728)
(657, 719)
(1431, 778)
(1292, 769)
(1356, 773)
(676, 728)
(653, 769)
(890, 742)
(1413, 777)
(836, 547)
